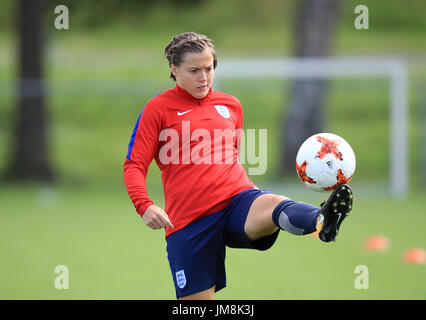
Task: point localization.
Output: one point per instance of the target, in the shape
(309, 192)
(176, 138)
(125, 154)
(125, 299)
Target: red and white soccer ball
(325, 161)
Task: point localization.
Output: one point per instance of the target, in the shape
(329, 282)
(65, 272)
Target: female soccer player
(192, 133)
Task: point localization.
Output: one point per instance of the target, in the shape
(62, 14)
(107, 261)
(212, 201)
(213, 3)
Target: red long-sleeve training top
(195, 144)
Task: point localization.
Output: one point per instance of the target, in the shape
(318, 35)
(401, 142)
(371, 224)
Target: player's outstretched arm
(156, 218)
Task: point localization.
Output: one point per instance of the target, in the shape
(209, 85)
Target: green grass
(111, 254)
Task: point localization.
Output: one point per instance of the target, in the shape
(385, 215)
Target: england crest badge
(180, 279)
(223, 111)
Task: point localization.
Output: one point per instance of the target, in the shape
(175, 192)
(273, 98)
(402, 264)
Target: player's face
(195, 73)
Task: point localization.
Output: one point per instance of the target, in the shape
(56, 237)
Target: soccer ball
(325, 161)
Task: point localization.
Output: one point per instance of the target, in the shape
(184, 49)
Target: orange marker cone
(377, 243)
(415, 256)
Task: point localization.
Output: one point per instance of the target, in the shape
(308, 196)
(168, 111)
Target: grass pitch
(111, 254)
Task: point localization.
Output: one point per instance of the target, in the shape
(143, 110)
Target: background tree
(30, 156)
(314, 28)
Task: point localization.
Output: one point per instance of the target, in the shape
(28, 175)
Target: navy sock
(298, 218)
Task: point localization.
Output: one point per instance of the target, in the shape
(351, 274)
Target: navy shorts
(196, 252)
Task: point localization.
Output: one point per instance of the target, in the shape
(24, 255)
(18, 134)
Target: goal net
(260, 71)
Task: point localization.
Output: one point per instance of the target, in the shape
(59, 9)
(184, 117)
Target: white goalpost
(311, 68)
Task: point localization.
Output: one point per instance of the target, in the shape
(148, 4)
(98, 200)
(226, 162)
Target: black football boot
(335, 210)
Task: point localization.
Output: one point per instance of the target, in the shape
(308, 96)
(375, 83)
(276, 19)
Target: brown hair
(187, 42)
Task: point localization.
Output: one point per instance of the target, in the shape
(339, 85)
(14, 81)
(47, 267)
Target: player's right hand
(156, 218)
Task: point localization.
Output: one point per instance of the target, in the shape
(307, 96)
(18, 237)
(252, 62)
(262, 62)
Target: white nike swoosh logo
(182, 113)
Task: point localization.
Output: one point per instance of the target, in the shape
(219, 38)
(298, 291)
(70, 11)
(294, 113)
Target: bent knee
(259, 222)
(270, 201)
(277, 199)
